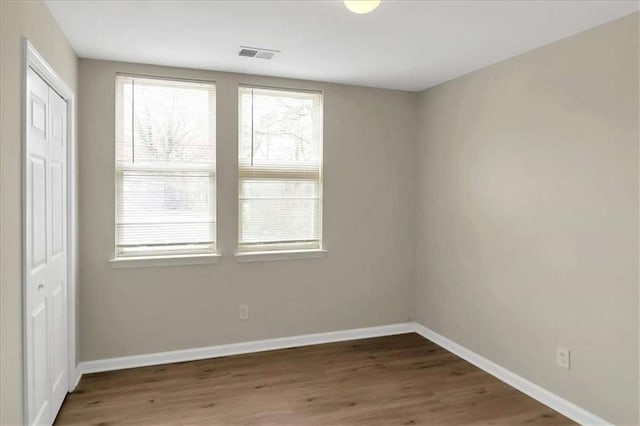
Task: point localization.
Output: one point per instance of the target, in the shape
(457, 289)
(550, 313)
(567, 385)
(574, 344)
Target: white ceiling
(409, 45)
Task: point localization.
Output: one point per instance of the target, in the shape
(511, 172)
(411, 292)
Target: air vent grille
(249, 53)
(262, 54)
(256, 52)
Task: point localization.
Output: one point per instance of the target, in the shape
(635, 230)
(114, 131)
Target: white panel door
(46, 251)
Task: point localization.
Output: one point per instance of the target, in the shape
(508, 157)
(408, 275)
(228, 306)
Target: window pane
(278, 127)
(167, 121)
(280, 211)
(165, 208)
(273, 221)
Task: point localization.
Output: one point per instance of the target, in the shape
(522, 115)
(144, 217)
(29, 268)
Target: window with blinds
(165, 167)
(279, 170)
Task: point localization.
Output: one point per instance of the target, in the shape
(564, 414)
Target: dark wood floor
(396, 380)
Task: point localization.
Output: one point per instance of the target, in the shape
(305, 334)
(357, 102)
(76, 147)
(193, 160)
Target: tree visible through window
(280, 157)
(165, 167)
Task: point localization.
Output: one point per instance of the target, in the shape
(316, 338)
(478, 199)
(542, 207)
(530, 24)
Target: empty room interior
(320, 212)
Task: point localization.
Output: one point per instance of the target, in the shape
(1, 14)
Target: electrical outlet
(563, 358)
(243, 312)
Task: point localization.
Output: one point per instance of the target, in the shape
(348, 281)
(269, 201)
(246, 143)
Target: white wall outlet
(243, 312)
(563, 358)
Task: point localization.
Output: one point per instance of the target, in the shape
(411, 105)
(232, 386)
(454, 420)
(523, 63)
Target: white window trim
(121, 260)
(170, 260)
(265, 256)
(246, 254)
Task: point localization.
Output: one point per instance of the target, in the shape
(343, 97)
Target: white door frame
(35, 61)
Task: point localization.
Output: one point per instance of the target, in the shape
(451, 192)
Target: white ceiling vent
(256, 52)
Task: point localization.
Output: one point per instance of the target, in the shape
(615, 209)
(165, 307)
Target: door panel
(57, 213)
(38, 112)
(57, 127)
(46, 251)
(38, 190)
(58, 355)
(39, 364)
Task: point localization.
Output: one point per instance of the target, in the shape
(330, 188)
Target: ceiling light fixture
(362, 6)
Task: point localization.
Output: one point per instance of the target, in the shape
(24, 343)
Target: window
(165, 167)
(280, 170)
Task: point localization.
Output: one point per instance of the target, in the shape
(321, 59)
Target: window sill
(265, 256)
(153, 261)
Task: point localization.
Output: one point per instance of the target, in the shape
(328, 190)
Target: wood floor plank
(394, 380)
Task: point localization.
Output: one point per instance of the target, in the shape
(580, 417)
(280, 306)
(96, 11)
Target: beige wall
(18, 20)
(528, 215)
(366, 280)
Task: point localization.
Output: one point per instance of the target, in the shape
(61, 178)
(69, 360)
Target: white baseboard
(551, 400)
(241, 348)
(536, 392)
(76, 375)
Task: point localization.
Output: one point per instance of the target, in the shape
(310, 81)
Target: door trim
(34, 60)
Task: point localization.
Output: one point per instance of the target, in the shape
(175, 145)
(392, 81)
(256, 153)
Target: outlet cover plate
(243, 312)
(563, 358)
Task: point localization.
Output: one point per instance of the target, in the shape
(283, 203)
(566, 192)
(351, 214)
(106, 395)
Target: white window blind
(165, 167)
(280, 170)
